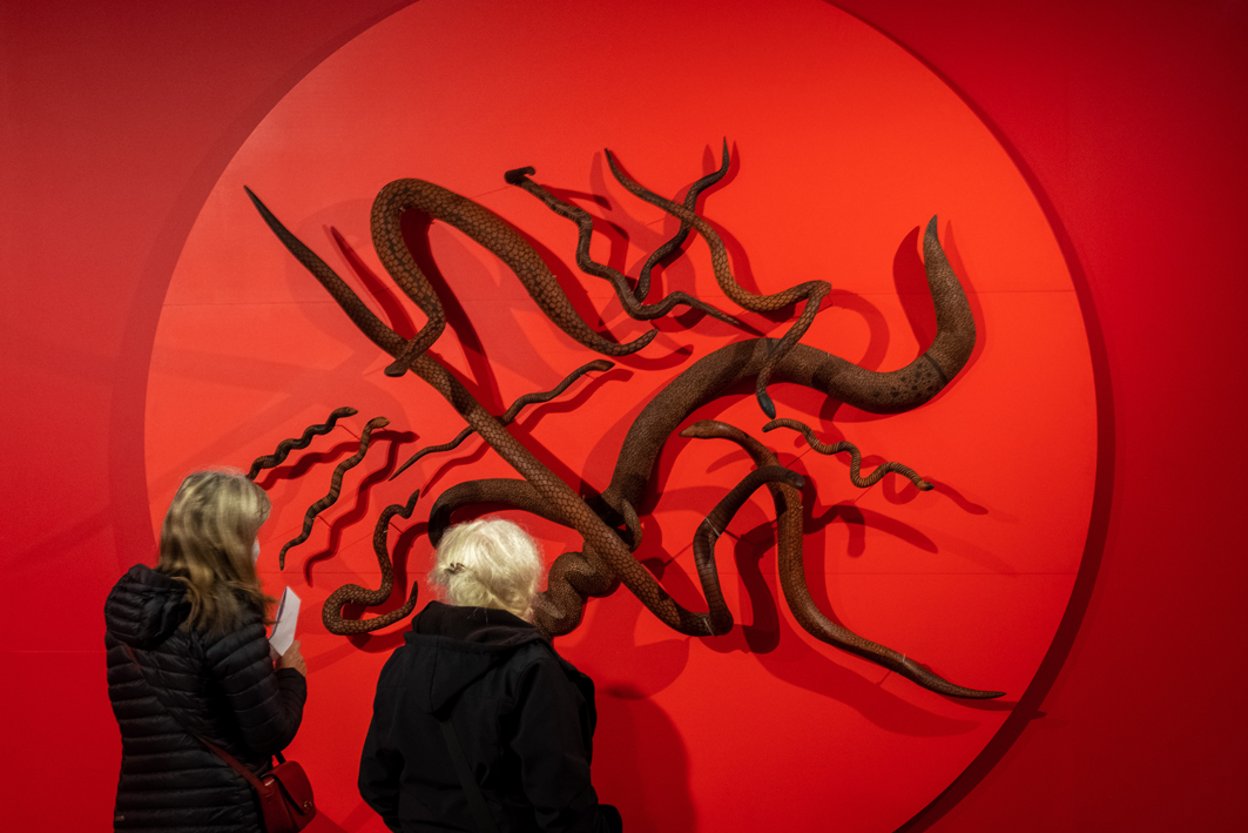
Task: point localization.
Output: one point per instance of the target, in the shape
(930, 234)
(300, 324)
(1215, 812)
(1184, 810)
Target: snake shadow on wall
(608, 523)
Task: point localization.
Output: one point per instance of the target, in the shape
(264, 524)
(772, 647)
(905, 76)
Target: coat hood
(449, 647)
(145, 607)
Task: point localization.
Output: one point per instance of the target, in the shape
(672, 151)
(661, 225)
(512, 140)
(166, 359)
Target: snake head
(518, 175)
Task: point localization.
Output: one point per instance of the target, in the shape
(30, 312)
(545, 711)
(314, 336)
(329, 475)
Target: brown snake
(331, 611)
(606, 559)
(488, 229)
(335, 487)
(855, 457)
(708, 532)
(284, 448)
(510, 414)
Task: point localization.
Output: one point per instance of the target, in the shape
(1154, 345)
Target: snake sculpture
(331, 611)
(510, 414)
(335, 487)
(611, 529)
(286, 446)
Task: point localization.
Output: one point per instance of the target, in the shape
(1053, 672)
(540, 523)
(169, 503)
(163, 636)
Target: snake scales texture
(606, 560)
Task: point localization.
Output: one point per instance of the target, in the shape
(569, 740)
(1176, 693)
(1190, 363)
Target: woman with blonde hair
(188, 662)
(478, 725)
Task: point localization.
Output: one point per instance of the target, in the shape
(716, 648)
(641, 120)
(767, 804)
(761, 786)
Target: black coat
(224, 687)
(524, 716)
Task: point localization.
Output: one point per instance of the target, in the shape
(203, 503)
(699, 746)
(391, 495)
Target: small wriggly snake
(606, 559)
(855, 457)
(331, 611)
(286, 446)
(335, 487)
(511, 413)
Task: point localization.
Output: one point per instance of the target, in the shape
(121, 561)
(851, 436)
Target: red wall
(1128, 121)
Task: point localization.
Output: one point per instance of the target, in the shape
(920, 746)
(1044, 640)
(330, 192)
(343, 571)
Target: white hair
(489, 562)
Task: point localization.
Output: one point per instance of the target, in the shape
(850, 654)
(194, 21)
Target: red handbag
(284, 794)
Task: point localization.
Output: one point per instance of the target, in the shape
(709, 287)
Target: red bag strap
(234, 763)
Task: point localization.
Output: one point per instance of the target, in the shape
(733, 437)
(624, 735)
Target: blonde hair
(206, 544)
(489, 562)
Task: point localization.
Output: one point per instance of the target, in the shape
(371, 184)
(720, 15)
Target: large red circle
(843, 146)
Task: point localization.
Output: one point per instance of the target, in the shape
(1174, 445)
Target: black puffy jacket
(223, 687)
(524, 717)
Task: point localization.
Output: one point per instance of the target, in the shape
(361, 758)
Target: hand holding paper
(284, 628)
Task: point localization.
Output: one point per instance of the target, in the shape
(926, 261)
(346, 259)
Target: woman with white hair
(478, 725)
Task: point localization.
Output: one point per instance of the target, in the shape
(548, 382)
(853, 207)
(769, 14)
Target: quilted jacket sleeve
(267, 703)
